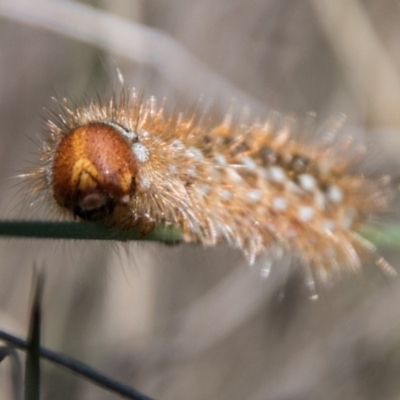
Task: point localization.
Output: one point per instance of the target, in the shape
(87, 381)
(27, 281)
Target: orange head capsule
(94, 170)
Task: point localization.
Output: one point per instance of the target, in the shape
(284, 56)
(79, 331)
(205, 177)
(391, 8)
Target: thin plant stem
(79, 368)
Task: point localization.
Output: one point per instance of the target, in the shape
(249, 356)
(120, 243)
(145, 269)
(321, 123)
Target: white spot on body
(144, 183)
(203, 190)
(277, 174)
(307, 182)
(334, 194)
(248, 162)
(226, 194)
(177, 144)
(254, 195)
(194, 152)
(306, 213)
(279, 204)
(144, 134)
(142, 152)
(234, 176)
(220, 159)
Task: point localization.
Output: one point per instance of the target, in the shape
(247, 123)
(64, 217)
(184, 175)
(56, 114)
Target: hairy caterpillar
(127, 162)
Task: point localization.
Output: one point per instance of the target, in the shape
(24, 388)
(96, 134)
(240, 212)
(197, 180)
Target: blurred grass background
(184, 322)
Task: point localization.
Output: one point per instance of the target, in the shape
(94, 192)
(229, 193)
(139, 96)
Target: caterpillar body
(127, 162)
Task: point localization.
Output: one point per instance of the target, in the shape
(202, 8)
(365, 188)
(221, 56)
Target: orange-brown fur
(254, 185)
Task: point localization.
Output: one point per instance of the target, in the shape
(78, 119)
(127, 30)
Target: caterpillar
(127, 162)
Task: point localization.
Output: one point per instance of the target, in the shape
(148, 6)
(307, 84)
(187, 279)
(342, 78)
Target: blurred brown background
(185, 322)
